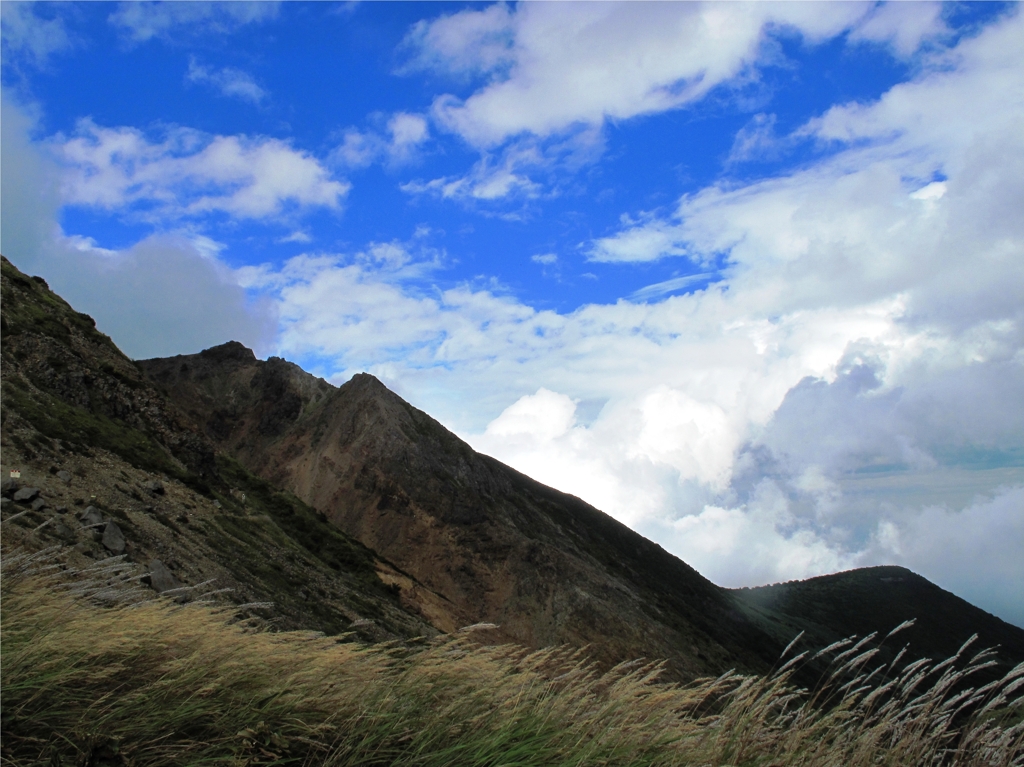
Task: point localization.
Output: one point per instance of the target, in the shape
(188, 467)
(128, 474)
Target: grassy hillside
(145, 681)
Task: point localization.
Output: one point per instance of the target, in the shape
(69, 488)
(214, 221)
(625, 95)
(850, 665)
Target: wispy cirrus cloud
(229, 81)
(143, 21)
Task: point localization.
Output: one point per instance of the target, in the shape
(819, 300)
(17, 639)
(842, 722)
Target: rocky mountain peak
(232, 350)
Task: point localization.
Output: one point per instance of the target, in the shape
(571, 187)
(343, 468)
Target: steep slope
(479, 541)
(109, 467)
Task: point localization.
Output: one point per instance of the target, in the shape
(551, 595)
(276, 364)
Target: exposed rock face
(74, 384)
(26, 494)
(91, 516)
(473, 540)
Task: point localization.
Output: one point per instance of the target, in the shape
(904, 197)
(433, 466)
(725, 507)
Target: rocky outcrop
(73, 384)
(473, 540)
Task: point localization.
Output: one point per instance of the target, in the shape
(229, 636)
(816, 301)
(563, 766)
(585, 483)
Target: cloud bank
(846, 386)
(797, 417)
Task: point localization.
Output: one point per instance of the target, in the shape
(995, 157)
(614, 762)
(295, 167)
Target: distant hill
(877, 599)
(353, 512)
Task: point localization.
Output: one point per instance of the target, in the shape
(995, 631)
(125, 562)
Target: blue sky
(749, 277)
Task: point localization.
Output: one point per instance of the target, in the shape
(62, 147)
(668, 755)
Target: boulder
(64, 476)
(39, 504)
(64, 532)
(160, 578)
(113, 539)
(155, 486)
(91, 516)
(26, 494)
(9, 487)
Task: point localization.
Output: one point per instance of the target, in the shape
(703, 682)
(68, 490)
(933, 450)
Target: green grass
(56, 419)
(154, 683)
(31, 307)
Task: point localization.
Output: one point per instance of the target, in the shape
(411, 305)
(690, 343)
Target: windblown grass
(96, 673)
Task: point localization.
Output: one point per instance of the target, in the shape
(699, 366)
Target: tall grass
(95, 672)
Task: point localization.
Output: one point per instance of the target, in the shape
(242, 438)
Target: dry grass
(96, 673)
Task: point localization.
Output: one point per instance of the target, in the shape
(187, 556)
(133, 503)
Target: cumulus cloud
(847, 393)
(563, 65)
(228, 81)
(190, 174)
(142, 21)
(397, 143)
(165, 295)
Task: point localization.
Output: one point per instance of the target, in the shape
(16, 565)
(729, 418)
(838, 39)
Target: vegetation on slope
(146, 681)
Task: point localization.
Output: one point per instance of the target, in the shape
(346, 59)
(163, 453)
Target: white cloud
(659, 289)
(541, 416)
(490, 178)
(397, 143)
(859, 361)
(756, 141)
(465, 42)
(229, 81)
(547, 259)
(644, 242)
(191, 174)
(296, 236)
(561, 65)
(904, 26)
(966, 550)
(142, 21)
(27, 35)
(164, 295)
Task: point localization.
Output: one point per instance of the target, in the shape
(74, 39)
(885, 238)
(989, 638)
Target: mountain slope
(482, 542)
(352, 511)
(486, 543)
(88, 431)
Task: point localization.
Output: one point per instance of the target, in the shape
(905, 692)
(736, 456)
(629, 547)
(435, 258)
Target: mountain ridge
(356, 513)
(397, 480)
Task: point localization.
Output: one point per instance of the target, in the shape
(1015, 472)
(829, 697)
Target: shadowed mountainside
(480, 542)
(877, 599)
